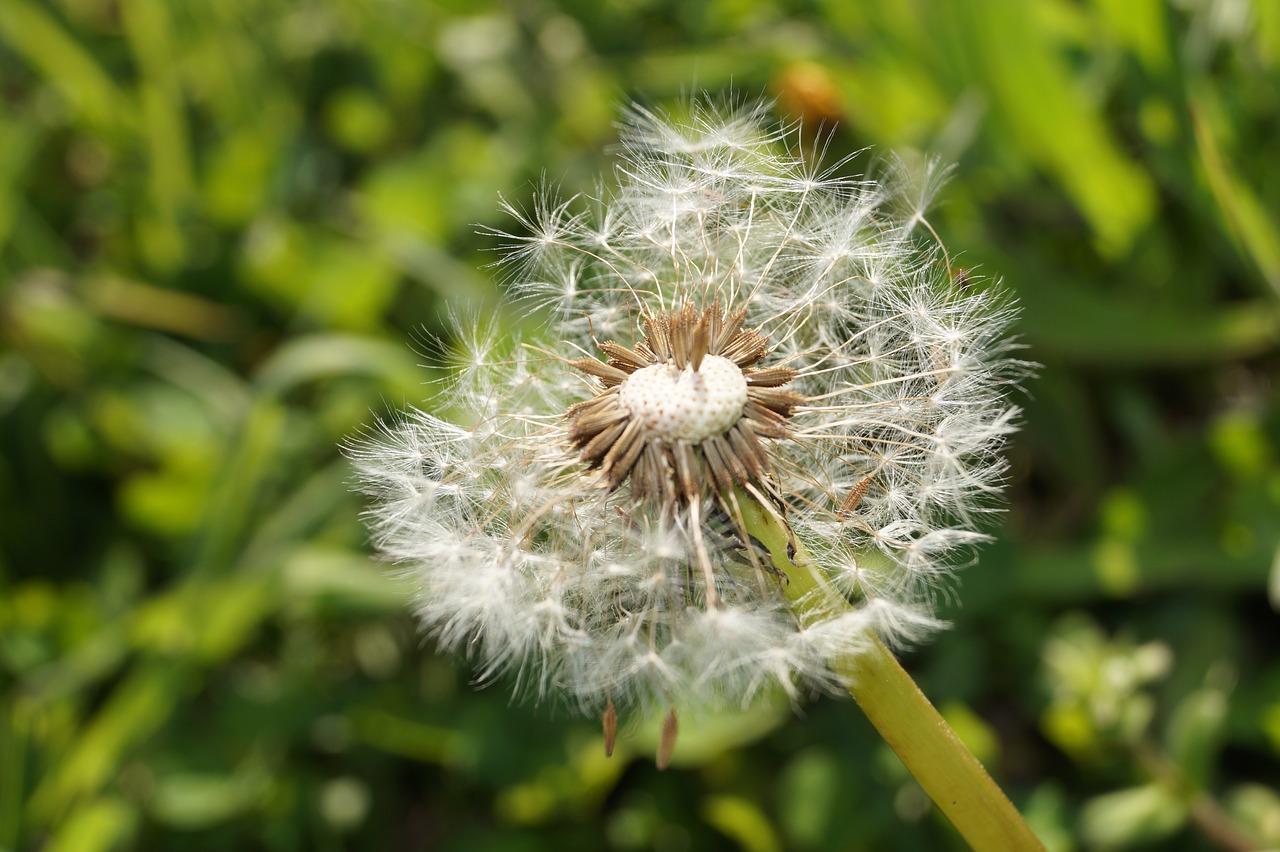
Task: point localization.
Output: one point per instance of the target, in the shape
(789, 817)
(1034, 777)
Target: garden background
(228, 227)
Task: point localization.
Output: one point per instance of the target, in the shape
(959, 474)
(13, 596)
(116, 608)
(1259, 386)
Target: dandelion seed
(733, 330)
(610, 725)
(667, 740)
(853, 498)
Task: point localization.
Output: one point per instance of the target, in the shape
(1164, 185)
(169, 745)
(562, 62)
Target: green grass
(227, 229)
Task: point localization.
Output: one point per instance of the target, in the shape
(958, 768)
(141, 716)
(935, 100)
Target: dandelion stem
(948, 772)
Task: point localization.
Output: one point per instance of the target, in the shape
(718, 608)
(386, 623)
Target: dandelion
(756, 430)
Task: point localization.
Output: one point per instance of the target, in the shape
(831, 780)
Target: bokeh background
(227, 227)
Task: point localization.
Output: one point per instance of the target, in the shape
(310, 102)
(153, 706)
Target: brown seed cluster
(611, 439)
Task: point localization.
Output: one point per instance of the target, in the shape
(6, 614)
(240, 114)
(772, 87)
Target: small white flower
(728, 323)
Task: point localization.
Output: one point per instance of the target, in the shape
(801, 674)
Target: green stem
(948, 772)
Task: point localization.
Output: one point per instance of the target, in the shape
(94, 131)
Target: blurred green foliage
(225, 223)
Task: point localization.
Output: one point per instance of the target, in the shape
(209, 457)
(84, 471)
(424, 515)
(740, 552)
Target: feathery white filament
(523, 561)
(686, 405)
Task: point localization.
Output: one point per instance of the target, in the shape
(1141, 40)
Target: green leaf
(135, 710)
(191, 801)
(810, 787)
(19, 142)
(309, 358)
(742, 820)
(1049, 117)
(1141, 26)
(164, 125)
(345, 580)
(33, 33)
(973, 731)
(1245, 216)
(1136, 815)
(1197, 732)
(98, 826)
(1088, 327)
(711, 733)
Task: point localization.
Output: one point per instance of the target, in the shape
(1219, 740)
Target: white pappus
(725, 322)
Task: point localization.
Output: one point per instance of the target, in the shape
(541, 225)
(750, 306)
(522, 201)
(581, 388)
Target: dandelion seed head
(724, 322)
